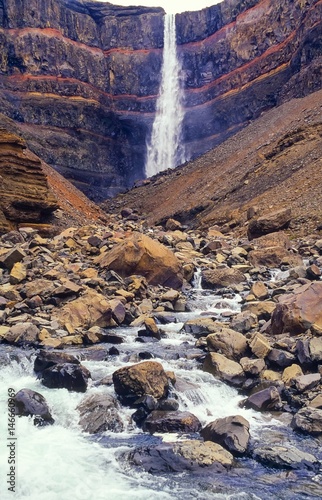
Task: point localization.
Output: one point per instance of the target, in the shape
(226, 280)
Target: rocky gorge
(80, 79)
(127, 314)
(167, 343)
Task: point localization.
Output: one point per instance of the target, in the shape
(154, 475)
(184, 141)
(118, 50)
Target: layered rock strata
(25, 196)
(81, 78)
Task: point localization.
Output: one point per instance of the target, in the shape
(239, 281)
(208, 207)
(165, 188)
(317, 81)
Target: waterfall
(165, 148)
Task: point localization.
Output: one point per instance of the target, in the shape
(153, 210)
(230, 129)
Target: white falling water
(165, 149)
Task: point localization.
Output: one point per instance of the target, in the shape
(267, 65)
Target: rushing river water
(60, 462)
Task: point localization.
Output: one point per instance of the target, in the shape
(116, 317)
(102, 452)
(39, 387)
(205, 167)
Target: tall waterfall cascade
(165, 149)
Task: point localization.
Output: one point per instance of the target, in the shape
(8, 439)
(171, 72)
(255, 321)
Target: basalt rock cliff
(80, 79)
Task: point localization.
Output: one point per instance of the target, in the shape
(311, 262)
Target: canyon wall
(81, 78)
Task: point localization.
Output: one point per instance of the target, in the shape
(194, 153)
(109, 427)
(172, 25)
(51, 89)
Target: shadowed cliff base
(273, 163)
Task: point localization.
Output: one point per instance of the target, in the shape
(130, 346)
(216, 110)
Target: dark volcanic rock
(46, 359)
(287, 457)
(67, 375)
(173, 421)
(267, 399)
(230, 432)
(189, 455)
(31, 403)
(98, 413)
(308, 421)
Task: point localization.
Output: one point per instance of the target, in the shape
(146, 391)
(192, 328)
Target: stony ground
(274, 163)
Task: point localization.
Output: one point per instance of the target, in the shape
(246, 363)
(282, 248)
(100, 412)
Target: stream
(62, 462)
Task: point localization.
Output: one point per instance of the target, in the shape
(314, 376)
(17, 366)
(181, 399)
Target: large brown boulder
(273, 257)
(226, 341)
(225, 369)
(221, 277)
(274, 221)
(91, 309)
(147, 378)
(231, 432)
(171, 421)
(140, 254)
(297, 312)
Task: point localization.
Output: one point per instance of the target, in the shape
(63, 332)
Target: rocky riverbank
(75, 295)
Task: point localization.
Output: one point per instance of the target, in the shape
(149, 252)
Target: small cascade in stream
(165, 149)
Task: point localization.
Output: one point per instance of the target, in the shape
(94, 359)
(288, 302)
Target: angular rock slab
(98, 413)
(66, 376)
(147, 378)
(189, 455)
(267, 399)
(297, 312)
(171, 421)
(32, 403)
(230, 432)
(142, 255)
(224, 368)
(286, 457)
(308, 420)
(228, 342)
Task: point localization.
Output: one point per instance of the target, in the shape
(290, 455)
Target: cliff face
(77, 77)
(81, 78)
(24, 193)
(245, 58)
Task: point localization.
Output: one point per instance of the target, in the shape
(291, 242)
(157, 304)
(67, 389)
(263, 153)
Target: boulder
(171, 421)
(315, 348)
(183, 456)
(316, 402)
(147, 378)
(261, 309)
(291, 373)
(98, 413)
(46, 359)
(308, 420)
(281, 358)
(31, 403)
(252, 367)
(297, 312)
(267, 399)
(307, 382)
(67, 375)
(221, 277)
(18, 273)
(274, 221)
(140, 254)
(204, 453)
(224, 368)
(22, 334)
(259, 345)
(10, 258)
(91, 309)
(227, 342)
(230, 432)
(259, 290)
(273, 257)
(287, 457)
(201, 327)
